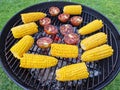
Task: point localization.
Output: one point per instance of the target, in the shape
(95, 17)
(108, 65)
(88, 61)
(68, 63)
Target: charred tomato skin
(54, 11)
(76, 20)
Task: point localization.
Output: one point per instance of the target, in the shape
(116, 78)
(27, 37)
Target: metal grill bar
(85, 16)
(110, 39)
(10, 44)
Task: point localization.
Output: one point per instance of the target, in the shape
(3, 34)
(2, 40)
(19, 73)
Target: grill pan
(101, 72)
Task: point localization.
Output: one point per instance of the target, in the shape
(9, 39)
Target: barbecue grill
(101, 72)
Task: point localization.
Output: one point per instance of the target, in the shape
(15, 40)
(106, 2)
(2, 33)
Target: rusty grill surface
(101, 72)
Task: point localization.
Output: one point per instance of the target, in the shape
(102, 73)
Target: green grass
(110, 8)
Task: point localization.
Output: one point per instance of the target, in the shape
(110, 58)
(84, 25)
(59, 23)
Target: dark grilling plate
(101, 72)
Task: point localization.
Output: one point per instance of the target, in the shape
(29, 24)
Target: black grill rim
(16, 16)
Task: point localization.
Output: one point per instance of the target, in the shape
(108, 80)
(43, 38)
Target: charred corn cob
(72, 9)
(63, 50)
(25, 29)
(37, 61)
(93, 41)
(72, 72)
(32, 16)
(91, 27)
(22, 46)
(97, 53)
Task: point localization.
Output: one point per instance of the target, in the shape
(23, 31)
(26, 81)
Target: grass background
(110, 8)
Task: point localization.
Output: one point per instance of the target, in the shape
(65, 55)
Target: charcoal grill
(101, 72)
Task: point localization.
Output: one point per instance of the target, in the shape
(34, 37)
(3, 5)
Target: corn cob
(25, 29)
(63, 50)
(37, 61)
(32, 16)
(93, 41)
(72, 9)
(91, 27)
(22, 46)
(72, 72)
(97, 53)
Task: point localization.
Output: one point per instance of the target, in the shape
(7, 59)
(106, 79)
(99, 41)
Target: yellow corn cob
(97, 53)
(22, 46)
(93, 41)
(32, 16)
(72, 72)
(63, 50)
(72, 9)
(37, 61)
(25, 29)
(91, 27)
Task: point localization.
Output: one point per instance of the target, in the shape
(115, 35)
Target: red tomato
(66, 29)
(50, 29)
(45, 21)
(71, 38)
(44, 42)
(63, 17)
(76, 20)
(54, 11)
